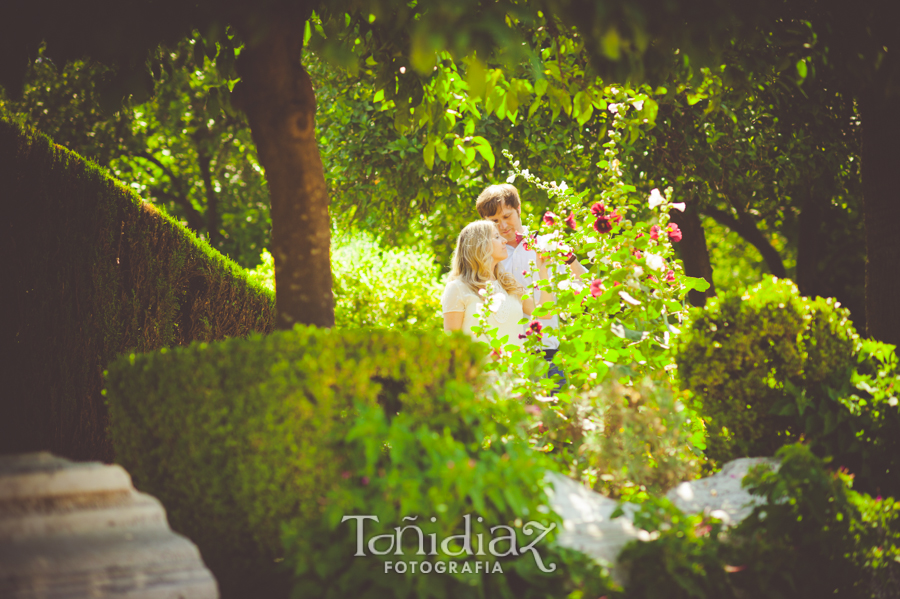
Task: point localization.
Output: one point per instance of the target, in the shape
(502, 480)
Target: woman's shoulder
(459, 286)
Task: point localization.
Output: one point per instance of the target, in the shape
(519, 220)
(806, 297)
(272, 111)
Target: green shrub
(243, 437)
(468, 461)
(624, 439)
(770, 366)
(89, 271)
(814, 537)
(392, 288)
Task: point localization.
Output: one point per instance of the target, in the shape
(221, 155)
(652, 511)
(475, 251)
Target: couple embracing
(492, 263)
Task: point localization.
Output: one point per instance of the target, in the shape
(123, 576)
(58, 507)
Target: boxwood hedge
(240, 437)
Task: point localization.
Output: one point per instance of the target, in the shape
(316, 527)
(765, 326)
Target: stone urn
(80, 529)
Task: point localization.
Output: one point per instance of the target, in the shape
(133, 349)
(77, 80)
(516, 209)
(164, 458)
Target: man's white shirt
(517, 261)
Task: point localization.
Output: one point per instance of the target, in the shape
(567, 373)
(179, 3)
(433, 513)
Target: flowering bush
(628, 307)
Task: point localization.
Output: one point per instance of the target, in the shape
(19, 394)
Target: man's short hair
(495, 197)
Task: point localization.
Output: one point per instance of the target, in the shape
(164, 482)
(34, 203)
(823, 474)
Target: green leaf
(484, 148)
(697, 283)
(428, 154)
(801, 68)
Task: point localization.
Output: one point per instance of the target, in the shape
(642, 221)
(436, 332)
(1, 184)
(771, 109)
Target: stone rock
(720, 495)
(588, 527)
(80, 529)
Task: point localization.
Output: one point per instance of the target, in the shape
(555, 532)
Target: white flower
(638, 271)
(546, 243)
(614, 108)
(628, 299)
(654, 261)
(656, 198)
(525, 173)
(638, 104)
(493, 302)
(563, 186)
(678, 206)
(564, 285)
(591, 254)
(511, 178)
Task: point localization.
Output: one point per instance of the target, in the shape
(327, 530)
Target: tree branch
(746, 228)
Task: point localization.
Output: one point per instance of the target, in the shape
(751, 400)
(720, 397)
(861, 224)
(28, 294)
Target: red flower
(598, 209)
(534, 328)
(615, 217)
(596, 288)
(670, 276)
(550, 218)
(570, 220)
(616, 283)
(639, 235)
(674, 232)
(654, 232)
(568, 255)
(602, 224)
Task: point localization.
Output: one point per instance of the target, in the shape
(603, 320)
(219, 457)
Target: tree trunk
(694, 252)
(809, 244)
(880, 117)
(277, 95)
(212, 200)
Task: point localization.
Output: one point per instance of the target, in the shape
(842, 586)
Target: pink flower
(674, 232)
(598, 209)
(652, 278)
(567, 256)
(346, 474)
(637, 254)
(616, 283)
(570, 220)
(534, 328)
(550, 218)
(365, 480)
(670, 276)
(524, 273)
(596, 288)
(615, 217)
(532, 409)
(654, 232)
(602, 224)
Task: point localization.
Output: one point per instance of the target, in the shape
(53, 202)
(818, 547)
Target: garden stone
(720, 495)
(80, 529)
(588, 526)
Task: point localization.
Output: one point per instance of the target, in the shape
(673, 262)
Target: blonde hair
(472, 259)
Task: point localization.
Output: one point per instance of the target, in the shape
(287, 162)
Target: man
(500, 204)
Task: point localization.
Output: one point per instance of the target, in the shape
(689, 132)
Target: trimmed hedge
(241, 437)
(89, 271)
(770, 367)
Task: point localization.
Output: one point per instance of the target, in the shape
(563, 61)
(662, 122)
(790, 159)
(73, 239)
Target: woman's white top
(504, 310)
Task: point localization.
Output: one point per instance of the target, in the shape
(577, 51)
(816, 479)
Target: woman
(476, 280)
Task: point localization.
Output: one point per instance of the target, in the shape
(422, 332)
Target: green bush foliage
(813, 537)
(90, 271)
(625, 438)
(393, 288)
(240, 437)
(468, 462)
(769, 366)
